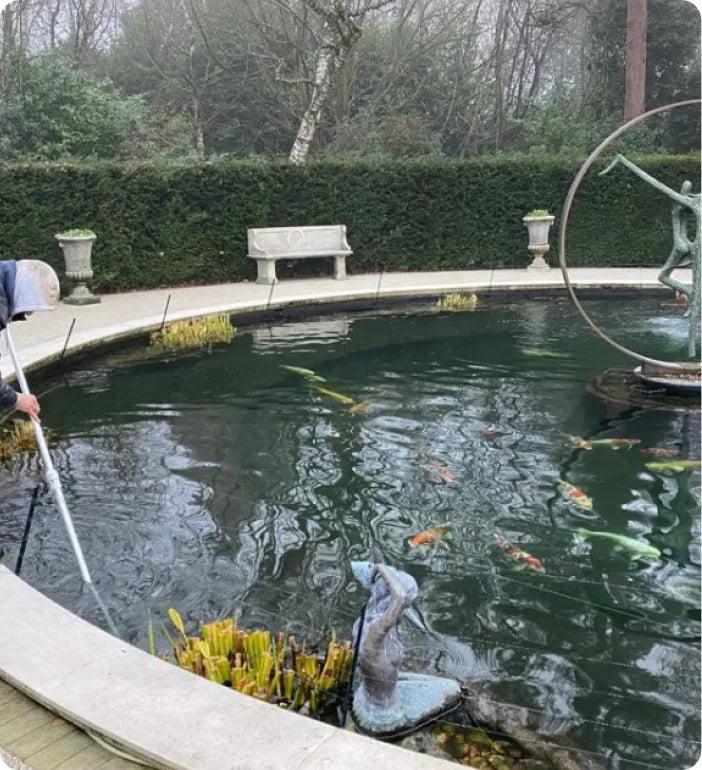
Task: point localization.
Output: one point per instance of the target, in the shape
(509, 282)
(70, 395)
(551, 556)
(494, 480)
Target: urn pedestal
(77, 253)
(538, 228)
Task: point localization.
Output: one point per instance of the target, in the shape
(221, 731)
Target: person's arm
(24, 402)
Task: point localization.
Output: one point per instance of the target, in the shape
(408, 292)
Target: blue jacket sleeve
(8, 395)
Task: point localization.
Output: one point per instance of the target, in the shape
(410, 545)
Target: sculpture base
(685, 380)
(538, 264)
(420, 699)
(81, 295)
(628, 388)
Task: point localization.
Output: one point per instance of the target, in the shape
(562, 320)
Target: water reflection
(222, 484)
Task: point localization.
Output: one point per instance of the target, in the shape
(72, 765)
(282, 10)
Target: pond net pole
(54, 483)
(52, 478)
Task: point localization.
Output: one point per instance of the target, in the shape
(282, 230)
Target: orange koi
(430, 536)
(659, 451)
(439, 472)
(361, 406)
(447, 476)
(576, 495)
(491, 433)
(522, 556)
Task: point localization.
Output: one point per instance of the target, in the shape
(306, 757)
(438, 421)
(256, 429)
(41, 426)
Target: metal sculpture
(386, 700)
(685, 253)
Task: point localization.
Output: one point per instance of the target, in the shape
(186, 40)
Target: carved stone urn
(77, 248)
(538, 224)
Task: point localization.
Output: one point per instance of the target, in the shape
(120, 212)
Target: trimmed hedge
(178, 223)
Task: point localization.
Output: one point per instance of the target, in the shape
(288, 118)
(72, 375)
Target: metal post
(50, 474)
(27, 527)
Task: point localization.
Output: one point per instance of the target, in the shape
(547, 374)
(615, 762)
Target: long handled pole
(50, 474)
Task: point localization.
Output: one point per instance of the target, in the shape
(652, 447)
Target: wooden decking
(44, 741)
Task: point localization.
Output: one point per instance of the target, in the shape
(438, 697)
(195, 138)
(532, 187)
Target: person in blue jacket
(26, 286)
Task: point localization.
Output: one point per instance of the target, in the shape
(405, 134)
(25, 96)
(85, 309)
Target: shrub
(175, 223)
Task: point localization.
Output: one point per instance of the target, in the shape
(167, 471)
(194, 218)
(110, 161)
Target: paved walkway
(43, 335)
(68, 664)
(33, 738)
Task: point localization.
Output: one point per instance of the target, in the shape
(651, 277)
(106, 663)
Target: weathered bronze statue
(685, 253)
(387, 701)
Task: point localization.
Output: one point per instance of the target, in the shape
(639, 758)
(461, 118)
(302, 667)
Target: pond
(221, 484)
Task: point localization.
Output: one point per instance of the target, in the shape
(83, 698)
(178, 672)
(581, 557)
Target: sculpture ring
(564, 224)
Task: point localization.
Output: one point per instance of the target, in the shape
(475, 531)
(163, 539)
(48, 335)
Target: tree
(635, 79)
(341, 24)
(60, 111)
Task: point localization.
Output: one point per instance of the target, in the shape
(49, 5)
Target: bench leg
(266, 271)
(339, 268)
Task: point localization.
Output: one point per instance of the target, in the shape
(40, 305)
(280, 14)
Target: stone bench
(267, 244)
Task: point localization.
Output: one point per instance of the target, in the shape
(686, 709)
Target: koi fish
(447, 476)
(673, 465)
(361, 406)
(521, 556)
(659, 451)
(440, 471)
(581, 443)
(308, 374)
(431, 536)
(336, 396)
(491, 433)
(615, 443)
(576, 495)
(540, 353)
(635, 548)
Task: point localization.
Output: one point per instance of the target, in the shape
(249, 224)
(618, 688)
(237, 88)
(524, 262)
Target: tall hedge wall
(172, 224)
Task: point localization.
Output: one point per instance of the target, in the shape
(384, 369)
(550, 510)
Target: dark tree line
(292, 77)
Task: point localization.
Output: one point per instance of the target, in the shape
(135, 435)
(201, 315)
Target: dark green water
(218, 483)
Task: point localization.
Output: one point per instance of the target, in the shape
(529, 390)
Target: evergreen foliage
(55, 111)
(174, 223)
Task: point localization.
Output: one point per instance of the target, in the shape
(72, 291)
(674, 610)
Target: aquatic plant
(457, 302)
(19, 438)
(194, 333)
(77, 232)
(267, 668)
(473, 747)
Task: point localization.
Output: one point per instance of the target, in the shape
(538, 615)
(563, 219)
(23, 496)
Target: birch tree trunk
(328, 64)
(341, 27)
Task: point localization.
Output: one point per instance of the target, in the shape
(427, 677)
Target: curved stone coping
(42, 338)
(159, 713)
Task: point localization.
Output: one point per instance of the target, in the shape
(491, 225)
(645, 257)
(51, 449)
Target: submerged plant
(473, 747)
(19, 438)
(267, 668)
(194, 333)
(457, 302)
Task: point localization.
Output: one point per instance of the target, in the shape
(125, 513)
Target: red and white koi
(575, 494)
(529, 561)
